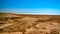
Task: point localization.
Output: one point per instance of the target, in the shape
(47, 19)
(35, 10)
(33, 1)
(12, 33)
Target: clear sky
(31, 6)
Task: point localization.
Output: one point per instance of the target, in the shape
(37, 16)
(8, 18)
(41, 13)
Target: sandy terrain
(29, 24)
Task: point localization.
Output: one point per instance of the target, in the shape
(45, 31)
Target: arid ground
(29, 24)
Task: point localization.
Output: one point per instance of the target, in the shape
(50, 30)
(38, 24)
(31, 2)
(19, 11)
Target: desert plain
(29, 24)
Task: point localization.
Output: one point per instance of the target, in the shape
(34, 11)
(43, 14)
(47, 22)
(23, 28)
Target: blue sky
(31, 6)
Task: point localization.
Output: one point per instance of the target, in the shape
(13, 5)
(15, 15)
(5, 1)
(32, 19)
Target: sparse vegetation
(54, 32)
(27, 23)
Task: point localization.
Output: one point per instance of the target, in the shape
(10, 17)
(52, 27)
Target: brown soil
(29, 24)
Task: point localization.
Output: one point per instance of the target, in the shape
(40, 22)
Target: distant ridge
(7, 13)
(28, 13)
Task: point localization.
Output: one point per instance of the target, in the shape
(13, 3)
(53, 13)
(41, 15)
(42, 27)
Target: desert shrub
(54, 32)
(14, 17)
(39, 20)
(4, 19)
(1, 19)
(1, 30)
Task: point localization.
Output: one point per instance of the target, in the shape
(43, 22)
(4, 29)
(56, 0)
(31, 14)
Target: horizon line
(32, 13)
